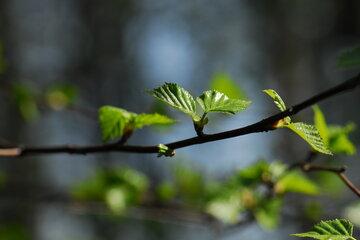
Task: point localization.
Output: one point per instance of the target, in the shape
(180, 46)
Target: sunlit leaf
(349, 58)
(297, 182)
(146, 119)
(338, 229)
(214, 101)
(277, 99)
(311, 135)
(177, 97)
(268, 214)
(113, 121)
(320, 124)
(280, 104)
(335, 137)
(222, 82)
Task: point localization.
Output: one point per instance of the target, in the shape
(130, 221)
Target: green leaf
(338, 229)
(165, 151)
(113, 121)
(145, 119)
(268, 213)
(311, 135)
(297, 182)
(177, 97)
(335, 137)
(339, 140)
(277, 99)
(222, 82)
(349, 58)
(280, 104)
(320, 124)
(214, 101)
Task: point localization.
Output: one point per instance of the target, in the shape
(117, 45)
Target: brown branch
(261, 126)
(340, 172)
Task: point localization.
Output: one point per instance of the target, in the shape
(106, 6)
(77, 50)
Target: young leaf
(214, 101)
(177, 97)
(277, 99)
(320, 124)
(349, 58)
(311, 135)
(113, 121)
(145, 119)
(338, 229)
(296, 181)
(25, 100)
(335, 137)
(280, 104)
(165, 151)
(60, 96)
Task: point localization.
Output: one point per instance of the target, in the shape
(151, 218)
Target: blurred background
(110, 52)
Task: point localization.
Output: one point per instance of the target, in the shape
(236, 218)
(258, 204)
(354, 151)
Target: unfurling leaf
(177, 97)
(114, 122)
(277, 99)
(280, 104)
(145, 119)
(308, 132)
(214, 101)
(311, 135)
(349, 58)
(338, 229)
(165, 151)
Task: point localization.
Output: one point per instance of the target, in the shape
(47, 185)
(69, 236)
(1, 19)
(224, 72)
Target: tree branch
(266, 124)
(340, 172)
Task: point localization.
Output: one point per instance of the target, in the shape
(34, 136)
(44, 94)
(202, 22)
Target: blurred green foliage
(349, 58)
(223, 82)
(26, 101)
(257, 189)
(118, 188)
(29, 101)
(13, 232)
(3, 64)
(60, 96)
(335, 137)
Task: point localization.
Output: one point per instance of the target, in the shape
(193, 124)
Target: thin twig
(261, 126)
(340, 172)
